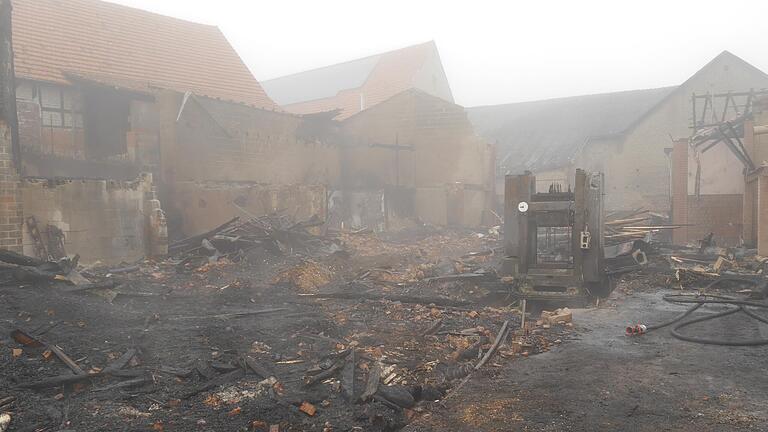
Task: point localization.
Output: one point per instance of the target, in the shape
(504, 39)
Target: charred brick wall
(102, 220)
(207, 205)
(420, 141)
(756, 190)
(60, 136)
(223, 141)
(680, 190)
(762, 213)
(219, 152)
(719, 214)
(443, 146)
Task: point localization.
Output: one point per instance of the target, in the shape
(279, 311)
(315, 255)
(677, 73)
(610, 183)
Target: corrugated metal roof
(547, 134)
(92, 38)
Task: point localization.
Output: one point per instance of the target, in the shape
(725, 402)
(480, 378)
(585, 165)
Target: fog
(494, 51)
(574, 212)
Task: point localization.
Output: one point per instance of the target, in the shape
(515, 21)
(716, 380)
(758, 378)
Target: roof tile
(92, 38)
(354, 85)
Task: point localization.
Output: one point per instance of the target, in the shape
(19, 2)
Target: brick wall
(636, 167)
(207, 205)
(680, 191)
(718, 214)
(762, 214)
(219, 152)
(749, 212)
(444, 146)
(222, 141)
(756, 196)
(441, 150)
(10, 209)
(721, 214)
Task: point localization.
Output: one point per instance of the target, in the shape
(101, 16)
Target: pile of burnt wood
(274, 233)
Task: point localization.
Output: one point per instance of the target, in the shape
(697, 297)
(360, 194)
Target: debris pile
(636, 225)
(695, 268)
(373, 334)
(307, 276)
(559, 316)
(274, 233)
(20, 269)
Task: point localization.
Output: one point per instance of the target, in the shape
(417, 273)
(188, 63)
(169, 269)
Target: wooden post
(517, 189)
(680, 191)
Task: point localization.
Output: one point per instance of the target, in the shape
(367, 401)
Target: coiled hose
(700, 300)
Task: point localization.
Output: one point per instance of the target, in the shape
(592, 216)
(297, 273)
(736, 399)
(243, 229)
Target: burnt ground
(606, 381)
(192, 325)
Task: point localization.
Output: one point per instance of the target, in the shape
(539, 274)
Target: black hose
(673, 320)
(700, 300)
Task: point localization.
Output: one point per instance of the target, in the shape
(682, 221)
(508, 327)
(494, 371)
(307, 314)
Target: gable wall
(638, 171)
(431, 78)
(448, 166)
(445, 148)
(412, 68)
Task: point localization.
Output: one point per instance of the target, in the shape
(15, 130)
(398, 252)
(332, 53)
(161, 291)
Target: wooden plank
(331, 371)
(348, 378)
(256, 367)
(76, 369)
(372, 385)
(215, 382)
(496, 343)
(72, 379)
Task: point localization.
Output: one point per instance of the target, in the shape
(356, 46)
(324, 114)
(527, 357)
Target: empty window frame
(59, 107)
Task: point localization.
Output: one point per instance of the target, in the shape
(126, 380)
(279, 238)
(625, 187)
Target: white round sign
(522, 207)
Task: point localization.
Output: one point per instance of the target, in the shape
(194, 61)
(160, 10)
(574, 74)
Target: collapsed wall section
(203, 206)
(222, 159)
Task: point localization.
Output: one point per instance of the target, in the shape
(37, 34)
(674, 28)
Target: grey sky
(494, 51)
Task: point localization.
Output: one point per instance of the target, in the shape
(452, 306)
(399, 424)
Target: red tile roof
(393, 72)
(54, 39)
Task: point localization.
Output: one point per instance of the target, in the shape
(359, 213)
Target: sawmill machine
(553, 240)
